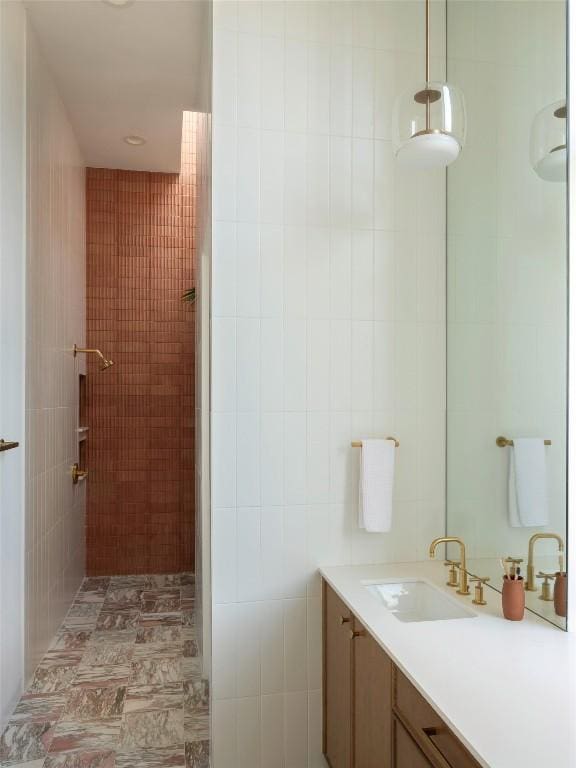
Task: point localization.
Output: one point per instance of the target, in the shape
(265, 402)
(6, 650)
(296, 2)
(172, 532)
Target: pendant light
(429, 120)
(548, 142)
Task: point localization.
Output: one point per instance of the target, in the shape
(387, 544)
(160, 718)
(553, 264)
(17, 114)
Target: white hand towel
(527, 483)
(376, 485)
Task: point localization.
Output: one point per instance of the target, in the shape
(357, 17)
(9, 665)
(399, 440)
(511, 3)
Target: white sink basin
(417, 600)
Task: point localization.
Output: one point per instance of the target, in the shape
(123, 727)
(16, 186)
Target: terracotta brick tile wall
(140, 259)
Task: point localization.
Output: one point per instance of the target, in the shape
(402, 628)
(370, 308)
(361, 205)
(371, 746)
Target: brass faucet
(463, 589)
(530, 583)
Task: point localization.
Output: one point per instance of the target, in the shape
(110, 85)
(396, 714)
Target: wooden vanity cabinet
(357, 692)
(373, 716)
(372, 702)
(337, 661)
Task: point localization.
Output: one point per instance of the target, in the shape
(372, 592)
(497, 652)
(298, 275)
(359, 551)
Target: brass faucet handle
(546, 593)
(479, 589)
(453, 573)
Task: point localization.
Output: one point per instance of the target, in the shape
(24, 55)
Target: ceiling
(124, 70)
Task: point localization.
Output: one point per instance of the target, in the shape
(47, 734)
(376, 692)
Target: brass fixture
(530, 584)
(503, 442)
(105, 363)
(7, 445)
(344, 620)
(453, 573)
(78, 474)
(463, 589)
(479, 589)
(354, 633)
(358, 443)
(546, 593)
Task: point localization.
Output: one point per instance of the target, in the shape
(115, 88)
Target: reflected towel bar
(358, 443)
(503, 442)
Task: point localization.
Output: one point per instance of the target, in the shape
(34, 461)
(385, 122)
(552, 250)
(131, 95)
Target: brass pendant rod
(427, 41)
(427, 3)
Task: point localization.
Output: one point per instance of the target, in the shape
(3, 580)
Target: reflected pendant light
(429, 121)
(548, 142)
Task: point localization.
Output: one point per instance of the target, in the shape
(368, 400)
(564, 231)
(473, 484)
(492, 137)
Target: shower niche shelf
(81, 430)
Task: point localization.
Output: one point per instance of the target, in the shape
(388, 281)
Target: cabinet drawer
(428, 729)
(406, 752)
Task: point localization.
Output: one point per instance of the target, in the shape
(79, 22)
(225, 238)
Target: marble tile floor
(121, 685)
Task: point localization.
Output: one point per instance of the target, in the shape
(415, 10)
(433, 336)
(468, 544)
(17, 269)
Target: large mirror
(507, 280)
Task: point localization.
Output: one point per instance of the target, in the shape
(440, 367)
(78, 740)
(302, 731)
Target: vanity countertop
(507, 689)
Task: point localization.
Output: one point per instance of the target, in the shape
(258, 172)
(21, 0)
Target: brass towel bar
(503, 442)
(358, 443)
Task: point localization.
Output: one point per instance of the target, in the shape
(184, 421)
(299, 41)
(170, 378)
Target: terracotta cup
(513, 599)
(561, 594)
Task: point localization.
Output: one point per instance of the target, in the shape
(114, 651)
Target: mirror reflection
(507, 297)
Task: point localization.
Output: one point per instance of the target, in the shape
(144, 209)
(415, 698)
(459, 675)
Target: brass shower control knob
(78, 474)
(479, 589)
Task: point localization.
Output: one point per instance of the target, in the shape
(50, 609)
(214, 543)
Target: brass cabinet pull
(354, 633)
(7, 445)
(344, 619)
(78, 474)
(454, 754)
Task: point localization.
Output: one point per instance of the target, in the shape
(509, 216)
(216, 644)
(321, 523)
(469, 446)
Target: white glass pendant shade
(548, 142)
(429, 126)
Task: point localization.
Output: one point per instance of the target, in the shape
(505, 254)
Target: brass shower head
(105, 363)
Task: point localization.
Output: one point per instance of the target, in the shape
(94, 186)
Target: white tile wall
(12, 375)
(328, 325)
(55, 321)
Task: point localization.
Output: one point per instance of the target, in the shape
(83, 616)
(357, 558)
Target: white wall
(12, 261)
(327, 326)
(507, 269)
(55, 321)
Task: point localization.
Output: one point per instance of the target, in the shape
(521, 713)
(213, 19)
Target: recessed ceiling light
(118, 3)
(134, 141)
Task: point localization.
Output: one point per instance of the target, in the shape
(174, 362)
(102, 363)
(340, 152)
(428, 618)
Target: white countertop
(506, 688)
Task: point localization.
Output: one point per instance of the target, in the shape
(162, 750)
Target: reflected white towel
(527, 483)
(376, 485)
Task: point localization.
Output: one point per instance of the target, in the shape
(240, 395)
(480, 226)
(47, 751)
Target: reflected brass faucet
(530, 583)
(463, 589)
